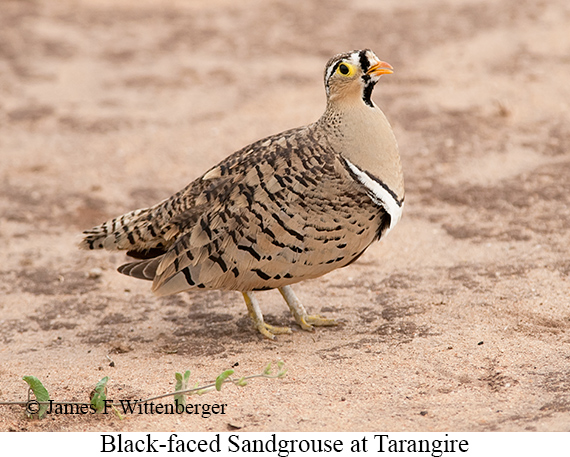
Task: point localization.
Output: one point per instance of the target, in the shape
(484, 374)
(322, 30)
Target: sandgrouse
(286, 208)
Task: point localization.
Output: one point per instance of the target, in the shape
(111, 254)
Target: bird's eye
(345, 69)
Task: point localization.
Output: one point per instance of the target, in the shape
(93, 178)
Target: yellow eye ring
(345, 69)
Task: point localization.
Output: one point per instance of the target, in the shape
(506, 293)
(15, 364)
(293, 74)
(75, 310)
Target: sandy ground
(457, 321)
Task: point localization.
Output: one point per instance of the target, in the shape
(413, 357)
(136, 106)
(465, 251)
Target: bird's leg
(268, 331)
(299, 312)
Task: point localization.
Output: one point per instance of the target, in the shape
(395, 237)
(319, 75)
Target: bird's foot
(305, 321)
(269, 331)
(308, 321)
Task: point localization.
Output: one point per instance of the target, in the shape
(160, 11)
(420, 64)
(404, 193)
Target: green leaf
(118, 413)
(181, 384)
(282, 370)
(241, 382)
(221, 379)
(99, 395)
(267, 370)
(40, 392)
(204, 391)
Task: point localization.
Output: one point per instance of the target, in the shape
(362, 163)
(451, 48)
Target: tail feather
(143, 269)
(150, 231)
(139, 232)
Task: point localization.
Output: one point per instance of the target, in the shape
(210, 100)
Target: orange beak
(380, 68)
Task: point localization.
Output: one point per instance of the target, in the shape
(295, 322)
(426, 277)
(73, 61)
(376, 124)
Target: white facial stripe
(379, 195)
(353, 59)
(329, 74)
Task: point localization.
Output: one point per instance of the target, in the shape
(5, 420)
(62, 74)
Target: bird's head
(351, 76)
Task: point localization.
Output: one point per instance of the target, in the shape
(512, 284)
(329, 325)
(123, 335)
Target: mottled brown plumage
(286, 208)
